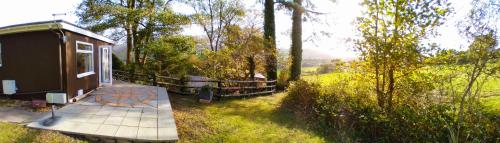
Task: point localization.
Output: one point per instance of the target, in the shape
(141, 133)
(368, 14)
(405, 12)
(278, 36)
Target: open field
(490, 88)
(309, 70)
(490, 91)
(258, 119)
(492, 104)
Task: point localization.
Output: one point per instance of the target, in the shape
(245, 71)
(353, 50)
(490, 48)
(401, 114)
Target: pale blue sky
(339, 18)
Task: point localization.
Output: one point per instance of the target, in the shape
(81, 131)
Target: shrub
(117, 63)
(347, 110)
(302, 95)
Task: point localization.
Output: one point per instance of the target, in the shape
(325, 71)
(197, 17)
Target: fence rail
(221, 88)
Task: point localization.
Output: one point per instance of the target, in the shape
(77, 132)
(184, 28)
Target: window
(84, 59)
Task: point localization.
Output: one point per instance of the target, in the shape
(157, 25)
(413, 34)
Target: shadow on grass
(260, 110)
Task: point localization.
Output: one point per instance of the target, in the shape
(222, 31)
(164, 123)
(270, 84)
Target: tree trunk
(380, 96)
(130, 43)
(130, 33)
(251, 67)
(296, 49)
(137, 44)
(269, 40)
(390, 91)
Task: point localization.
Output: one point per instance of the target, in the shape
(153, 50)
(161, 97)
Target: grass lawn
(309, 69)
(10, 133)
(492, 104)
(257, 119)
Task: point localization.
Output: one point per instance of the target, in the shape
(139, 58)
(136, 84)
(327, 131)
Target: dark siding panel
(32, 59)
(86, 83)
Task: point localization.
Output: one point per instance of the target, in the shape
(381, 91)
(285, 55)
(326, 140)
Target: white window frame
(91, 51)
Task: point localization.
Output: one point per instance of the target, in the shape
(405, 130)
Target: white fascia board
(48, 26)
(85, 32)
(25, 28)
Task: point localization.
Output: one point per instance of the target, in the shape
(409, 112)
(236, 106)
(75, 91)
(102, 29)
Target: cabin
(52, 57)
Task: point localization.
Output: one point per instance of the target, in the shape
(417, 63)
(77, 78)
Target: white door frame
(110, 54)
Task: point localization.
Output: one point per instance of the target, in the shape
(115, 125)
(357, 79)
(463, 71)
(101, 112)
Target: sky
(338, 21)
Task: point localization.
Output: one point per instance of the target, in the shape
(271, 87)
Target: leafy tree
(242, 57)
(247, 44)
(214, 16)
(480, 26)
(170, 55)
(391, 32)
(140, 21)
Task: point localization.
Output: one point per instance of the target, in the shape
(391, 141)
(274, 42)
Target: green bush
(282, 81)
(301, 95)
(117, 63)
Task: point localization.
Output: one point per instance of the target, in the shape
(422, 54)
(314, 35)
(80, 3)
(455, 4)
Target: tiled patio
(122, 111)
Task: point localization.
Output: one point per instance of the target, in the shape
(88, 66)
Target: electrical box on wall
(9, 87)
(80, 92)
(57, 98)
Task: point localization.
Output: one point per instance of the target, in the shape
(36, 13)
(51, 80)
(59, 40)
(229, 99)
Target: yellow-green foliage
(492, 104)
(346, 102)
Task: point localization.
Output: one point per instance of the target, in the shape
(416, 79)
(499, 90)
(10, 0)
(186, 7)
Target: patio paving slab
(146, 119)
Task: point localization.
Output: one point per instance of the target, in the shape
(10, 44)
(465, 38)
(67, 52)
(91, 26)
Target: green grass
(329, 78)
(309, 69)
(490, 90)
(10, 133)
(492, 104)
(258, 119)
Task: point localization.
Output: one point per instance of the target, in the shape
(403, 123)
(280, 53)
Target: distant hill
(309, 54)
(120, 50)
(310, 57)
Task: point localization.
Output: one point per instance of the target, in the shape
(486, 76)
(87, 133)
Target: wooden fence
(221, 88)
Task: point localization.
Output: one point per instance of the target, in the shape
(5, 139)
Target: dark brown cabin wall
(32, 60)
(86, 83)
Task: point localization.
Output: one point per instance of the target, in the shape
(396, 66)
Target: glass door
(105, 65)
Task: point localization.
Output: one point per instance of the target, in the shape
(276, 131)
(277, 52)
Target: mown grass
(258, 119)
(12, 133)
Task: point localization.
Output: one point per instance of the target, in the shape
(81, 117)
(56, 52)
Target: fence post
(182, 85)
(155, 83)
(219, 84)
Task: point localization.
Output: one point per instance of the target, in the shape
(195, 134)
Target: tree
(214, 16)
(296, 49)
(170, 55)
(248, 46)
(298, 10)
(480, 26)
(269, 40)
(391, 35)
(140, 21)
